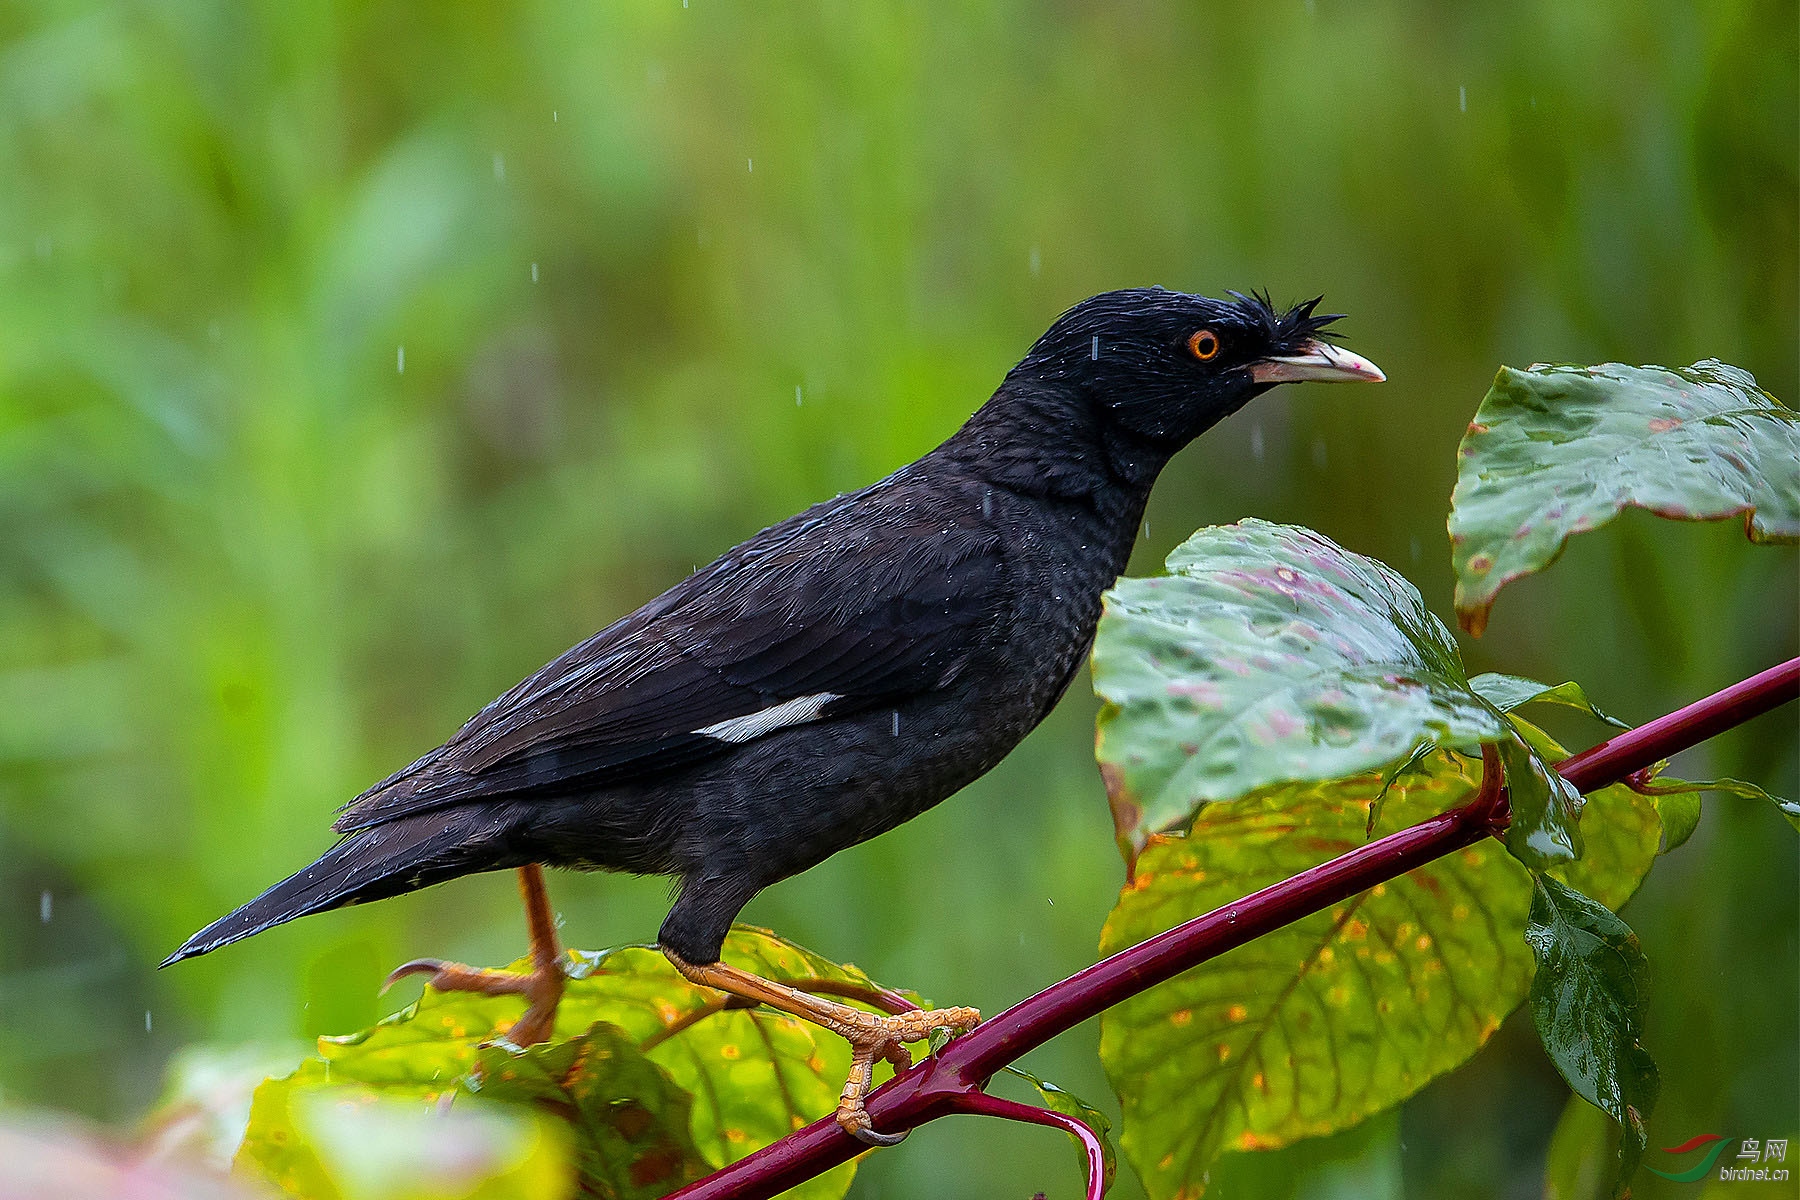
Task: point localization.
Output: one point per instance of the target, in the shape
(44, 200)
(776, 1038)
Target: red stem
(1612, 760)
(983, 1105)
(952, 1080)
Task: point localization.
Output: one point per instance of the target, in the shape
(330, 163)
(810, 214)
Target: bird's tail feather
(370, 864)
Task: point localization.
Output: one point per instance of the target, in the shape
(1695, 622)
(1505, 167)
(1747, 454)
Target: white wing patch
(797, 711)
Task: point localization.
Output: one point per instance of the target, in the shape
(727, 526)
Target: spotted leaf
(1558, 450)
(1313, 1028)
(1270, 655)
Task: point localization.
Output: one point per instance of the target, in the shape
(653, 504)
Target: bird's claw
(885, 1037)
(418, 966)
(542, 989)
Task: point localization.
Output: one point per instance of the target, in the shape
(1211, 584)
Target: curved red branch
(983, 1105)
(950, 1082)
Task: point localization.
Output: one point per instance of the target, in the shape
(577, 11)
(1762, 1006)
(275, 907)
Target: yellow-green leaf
(655, 1080)
(1316, 1026)
(316, 1141)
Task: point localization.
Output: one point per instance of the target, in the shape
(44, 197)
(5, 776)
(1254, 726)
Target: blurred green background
(357, 359)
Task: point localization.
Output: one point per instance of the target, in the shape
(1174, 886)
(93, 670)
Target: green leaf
(1584, 1154)
(756, 1075)
(378, 1110)
(1589, 999)
(1388, 779)
(1272, 655)
(1071, 1105)
(1663, 786)
(1624, 829)
(655, 1080)
(629, 1117)
(1678, 802)
(1507, 692)
(1314, 1027)
(1545, 809)
(1680, 814)
(1268, 655)
(1558, 450)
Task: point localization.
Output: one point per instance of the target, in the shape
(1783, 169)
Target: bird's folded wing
(803, 623)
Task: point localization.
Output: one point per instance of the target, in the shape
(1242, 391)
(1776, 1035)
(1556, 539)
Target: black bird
(831, 678)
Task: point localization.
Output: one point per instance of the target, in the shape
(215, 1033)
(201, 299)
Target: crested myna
(832, 677)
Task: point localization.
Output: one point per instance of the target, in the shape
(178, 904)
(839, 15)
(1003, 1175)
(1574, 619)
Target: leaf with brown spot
(1313, 1028)
(1559, 450)
(1271, 655)
(630, 1120)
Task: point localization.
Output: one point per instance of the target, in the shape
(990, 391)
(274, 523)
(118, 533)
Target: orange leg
(871, 1036)
(542, 986)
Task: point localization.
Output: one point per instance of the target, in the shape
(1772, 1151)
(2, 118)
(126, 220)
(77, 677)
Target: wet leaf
(1316, 1026)
(1269, 654)
(1589, 998)
(1559, 450)
(1071, 1105)
(1507, 692)
(654, 1079)
(1545, 807)
(1661, 786)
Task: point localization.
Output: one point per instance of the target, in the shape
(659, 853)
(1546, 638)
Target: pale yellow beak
(1320, 362)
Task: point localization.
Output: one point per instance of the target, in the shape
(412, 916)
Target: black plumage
(842, 671)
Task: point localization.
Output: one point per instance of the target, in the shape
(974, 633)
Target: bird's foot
(871, 1035)
(885, 1037)
(542, 988)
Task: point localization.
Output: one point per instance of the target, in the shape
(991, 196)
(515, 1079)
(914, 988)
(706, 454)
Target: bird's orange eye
(1204, 345)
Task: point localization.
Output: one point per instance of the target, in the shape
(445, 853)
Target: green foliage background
(664, 273)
